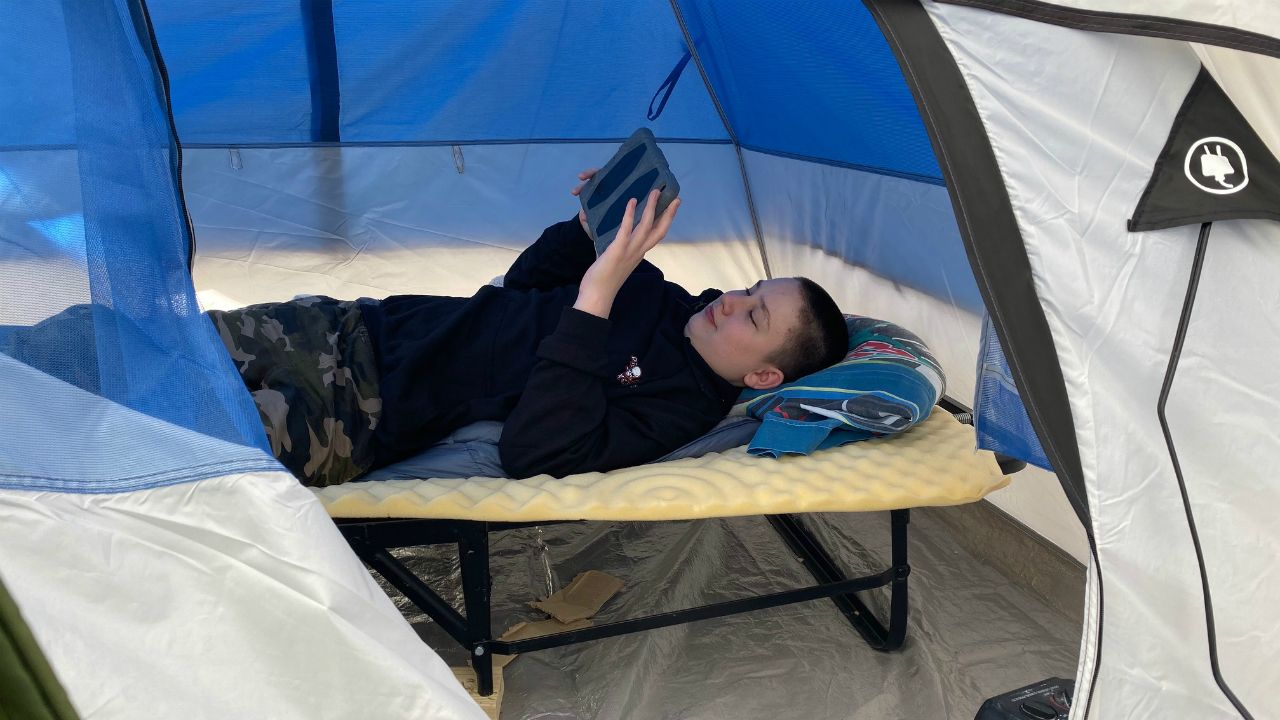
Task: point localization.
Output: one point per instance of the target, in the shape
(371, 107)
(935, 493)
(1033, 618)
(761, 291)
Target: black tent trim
(994, 245)
(1127, 24)
(1175, 356)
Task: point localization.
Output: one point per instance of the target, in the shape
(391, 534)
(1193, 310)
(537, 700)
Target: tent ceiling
(814, 80)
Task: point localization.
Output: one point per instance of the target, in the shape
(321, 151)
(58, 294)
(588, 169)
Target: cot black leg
(898, 590)
(824, 570)
(372, 540)
(473, 556)
(413, 588)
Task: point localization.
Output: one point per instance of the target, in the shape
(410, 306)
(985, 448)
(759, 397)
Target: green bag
(28, 688)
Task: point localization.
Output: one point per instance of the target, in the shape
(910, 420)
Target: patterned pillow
(887, 382)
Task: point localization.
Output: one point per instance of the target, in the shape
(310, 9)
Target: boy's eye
(752, 315)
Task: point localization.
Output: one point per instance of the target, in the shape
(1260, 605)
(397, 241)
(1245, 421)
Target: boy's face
(738, 332)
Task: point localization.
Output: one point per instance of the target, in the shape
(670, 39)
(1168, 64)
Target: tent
(1100, 179)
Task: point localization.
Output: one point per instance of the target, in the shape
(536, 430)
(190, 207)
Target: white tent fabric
(1257, 17)
(1077, 120)
(235, 596)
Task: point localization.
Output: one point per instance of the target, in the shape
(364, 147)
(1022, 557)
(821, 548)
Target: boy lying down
(593, 363)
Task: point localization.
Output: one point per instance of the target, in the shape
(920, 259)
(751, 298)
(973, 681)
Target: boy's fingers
(659, 232)
(650, 207)
(664, 222)
(584, 176)
(624, 230)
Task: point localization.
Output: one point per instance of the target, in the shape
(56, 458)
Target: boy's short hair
(819, 341)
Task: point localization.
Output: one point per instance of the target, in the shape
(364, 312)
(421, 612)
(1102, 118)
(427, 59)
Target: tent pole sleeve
(1184, 320)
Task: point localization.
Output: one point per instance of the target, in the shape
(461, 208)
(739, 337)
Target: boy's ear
(763, 378)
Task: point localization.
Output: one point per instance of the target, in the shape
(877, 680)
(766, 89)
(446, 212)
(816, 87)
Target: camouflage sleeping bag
(309, 364)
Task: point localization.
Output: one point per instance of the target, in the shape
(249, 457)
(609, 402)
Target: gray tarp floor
(973, 633)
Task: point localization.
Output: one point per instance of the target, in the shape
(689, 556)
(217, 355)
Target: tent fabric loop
(669, 86)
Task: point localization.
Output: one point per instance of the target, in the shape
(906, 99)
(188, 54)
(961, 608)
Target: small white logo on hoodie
(631, 375)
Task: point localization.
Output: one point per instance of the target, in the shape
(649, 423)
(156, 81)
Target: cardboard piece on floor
(491, 705)
(581, 598)
(526, 630)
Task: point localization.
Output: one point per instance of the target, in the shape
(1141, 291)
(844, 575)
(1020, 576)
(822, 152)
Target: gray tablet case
(637, 168)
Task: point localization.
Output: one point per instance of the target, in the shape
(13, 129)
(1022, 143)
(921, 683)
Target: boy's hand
(601, 282)
(584, 176)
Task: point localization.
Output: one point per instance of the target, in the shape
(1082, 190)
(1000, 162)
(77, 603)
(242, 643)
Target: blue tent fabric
(814, 80)
(431, 72)
(238, 72)
(501, 71)
(999, 417)
(900, 229)
(95, 236)
(36, 99)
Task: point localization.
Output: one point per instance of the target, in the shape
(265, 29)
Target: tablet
(637, 168)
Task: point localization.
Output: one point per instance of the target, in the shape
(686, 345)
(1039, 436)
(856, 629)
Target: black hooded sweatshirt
(577, 392)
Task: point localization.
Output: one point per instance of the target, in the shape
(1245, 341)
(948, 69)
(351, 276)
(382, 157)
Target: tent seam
(176, 161)
(1130, 24)
(733, 138)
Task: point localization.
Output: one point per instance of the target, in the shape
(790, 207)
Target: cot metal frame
(373, 539)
